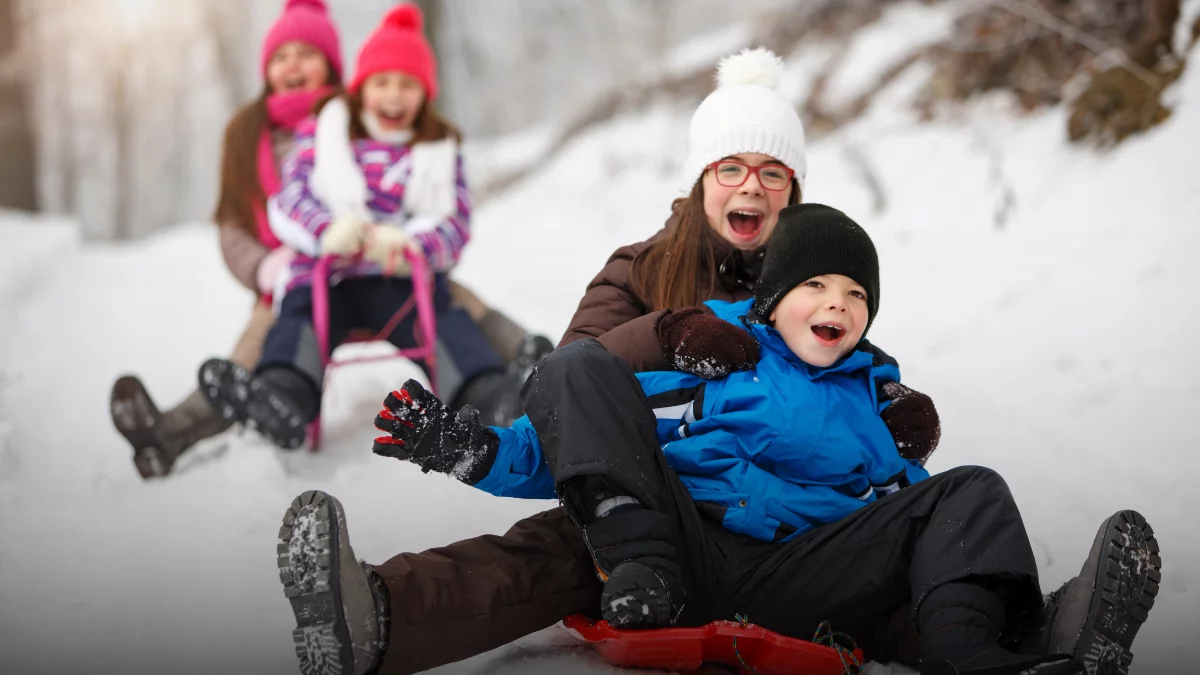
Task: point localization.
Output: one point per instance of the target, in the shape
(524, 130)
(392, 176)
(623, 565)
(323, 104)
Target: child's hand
(912, 420)
(425, 432)
(344, 236)
(386, 245)
(695, 341)
(271, 267)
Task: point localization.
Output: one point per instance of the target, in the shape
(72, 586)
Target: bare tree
(17, 188)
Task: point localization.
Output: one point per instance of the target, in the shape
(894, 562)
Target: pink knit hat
(399, 44)
(307, 21)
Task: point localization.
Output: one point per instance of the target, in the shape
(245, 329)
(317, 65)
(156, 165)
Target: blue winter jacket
(779, 449)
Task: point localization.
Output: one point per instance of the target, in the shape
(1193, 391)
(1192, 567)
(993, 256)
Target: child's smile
(745, 215)
(296, 66)
(393, 98)
(829, 333)
(822, 319)
(746, 223)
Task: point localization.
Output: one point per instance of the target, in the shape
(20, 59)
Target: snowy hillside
(1042, 294)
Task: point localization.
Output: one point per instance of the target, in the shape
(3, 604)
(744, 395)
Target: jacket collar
(736, 269)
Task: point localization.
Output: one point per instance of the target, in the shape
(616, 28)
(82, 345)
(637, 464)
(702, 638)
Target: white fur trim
(337, 180)
(432, 185)
(375, 130)
(751, 66)
(290, 232)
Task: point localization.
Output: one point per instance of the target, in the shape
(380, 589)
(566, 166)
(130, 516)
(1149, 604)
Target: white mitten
(344, 236)
(385, 247)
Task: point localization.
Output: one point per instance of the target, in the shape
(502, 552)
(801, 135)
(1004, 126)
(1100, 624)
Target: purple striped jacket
(299, 218)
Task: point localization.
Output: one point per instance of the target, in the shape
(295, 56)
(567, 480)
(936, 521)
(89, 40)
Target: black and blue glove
(422, 430)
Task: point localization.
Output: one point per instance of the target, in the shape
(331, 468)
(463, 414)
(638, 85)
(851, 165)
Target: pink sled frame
(426, 328)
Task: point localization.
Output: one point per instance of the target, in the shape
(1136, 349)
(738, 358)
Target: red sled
(749, 648)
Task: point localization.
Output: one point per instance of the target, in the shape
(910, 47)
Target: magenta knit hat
(399, 44)
(307, 21)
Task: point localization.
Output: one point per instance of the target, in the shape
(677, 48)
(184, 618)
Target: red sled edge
(767, 652)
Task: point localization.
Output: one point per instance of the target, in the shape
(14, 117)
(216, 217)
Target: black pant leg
(853, 573)
(292, 341)
(593, 421)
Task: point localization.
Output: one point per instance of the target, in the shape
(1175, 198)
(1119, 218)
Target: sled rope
(744, 621)
(825, 635)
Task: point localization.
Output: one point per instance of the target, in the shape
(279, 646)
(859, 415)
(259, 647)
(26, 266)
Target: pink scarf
(284, 111)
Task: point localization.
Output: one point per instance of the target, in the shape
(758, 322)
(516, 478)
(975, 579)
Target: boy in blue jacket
(778, 493)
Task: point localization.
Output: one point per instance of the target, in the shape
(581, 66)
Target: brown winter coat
(239, 241)
(614, 313)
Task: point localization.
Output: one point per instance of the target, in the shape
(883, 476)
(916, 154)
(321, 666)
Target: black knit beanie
(811, 240)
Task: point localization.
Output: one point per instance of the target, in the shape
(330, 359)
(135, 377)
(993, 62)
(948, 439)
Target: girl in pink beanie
(301, 63)
(376, 176)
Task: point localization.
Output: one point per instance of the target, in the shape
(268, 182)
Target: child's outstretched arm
(423, 430)
(442, 238)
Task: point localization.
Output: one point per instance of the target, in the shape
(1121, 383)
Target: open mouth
(829, 333)
(392, 118)
(293, 83)
(745, 224)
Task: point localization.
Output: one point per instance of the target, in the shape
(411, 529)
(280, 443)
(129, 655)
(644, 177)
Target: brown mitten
(695, 341)
(913, 421)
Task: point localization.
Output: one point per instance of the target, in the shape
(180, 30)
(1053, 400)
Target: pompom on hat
(399, 43)
(746, 113)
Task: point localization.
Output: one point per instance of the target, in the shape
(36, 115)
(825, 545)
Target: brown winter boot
(158, 439)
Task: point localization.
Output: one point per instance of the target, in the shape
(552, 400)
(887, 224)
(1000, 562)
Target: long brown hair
(668, 274)
(240, 185)
(429, 125)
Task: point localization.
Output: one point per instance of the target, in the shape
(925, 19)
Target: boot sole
(239, 396)
(1125, 585)
(308, 562)
(136, 417)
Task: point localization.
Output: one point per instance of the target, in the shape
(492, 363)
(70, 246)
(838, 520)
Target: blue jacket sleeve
(676, 400)
(520, 469)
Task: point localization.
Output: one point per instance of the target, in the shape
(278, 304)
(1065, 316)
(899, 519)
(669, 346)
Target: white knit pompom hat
(746, 113)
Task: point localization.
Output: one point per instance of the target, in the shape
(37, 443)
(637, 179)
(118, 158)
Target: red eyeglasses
(732, 173)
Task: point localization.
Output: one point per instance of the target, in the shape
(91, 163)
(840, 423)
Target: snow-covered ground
(1057, 339)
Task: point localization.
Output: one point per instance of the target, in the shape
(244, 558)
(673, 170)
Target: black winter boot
(1096, 615)
(634, 557)
(496, 395)
(277, 403)
(532, 350)
(341, 605)
(961, 624)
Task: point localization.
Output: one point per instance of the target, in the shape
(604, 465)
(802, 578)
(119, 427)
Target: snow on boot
(139, 421)
(272, 406)
(636, 596)
(159, 438)
(634, 554)
(1096, 615)
(339, 603)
